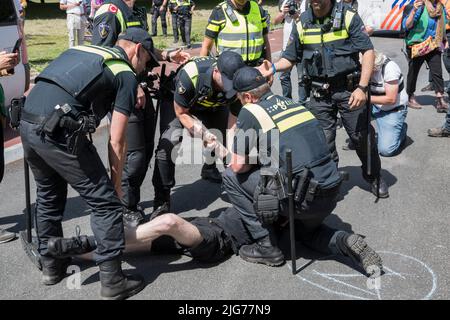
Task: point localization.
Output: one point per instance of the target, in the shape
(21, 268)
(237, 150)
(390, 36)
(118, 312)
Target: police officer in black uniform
(272, 124)
(112, 18)
(185, 10)
(328, 39)
(203, 89)
(159, 10)
(69, 99)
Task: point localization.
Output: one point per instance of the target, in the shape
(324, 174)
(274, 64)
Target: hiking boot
(412, 103)
(115, 285)
(53, 269)
(263, 252)
(211, 173)
(133, 218)
(438, 132)
(428, 87)
(383, 189)
(355, 247)
(441, 105)
(67, 247)
(6, 236)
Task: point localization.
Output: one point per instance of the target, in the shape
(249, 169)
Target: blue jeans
(391, 129)
(447, 120)
(286, 85)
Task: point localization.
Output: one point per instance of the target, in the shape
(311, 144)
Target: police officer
(240, 26)
(69, 99)
(159, 9)
(328, 38)
(185, 10)
(112, 18)
(203, 89)
(173, 12)
(272, 124)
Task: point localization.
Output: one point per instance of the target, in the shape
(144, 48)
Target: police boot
(67, 247)
(210, 172)
(262, 251)
(355, 247)
(115, 285)
(133, 218)
(380, 185)
(53, 270)
(161, 204)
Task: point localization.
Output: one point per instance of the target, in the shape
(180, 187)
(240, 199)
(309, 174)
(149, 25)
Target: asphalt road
(410, 230)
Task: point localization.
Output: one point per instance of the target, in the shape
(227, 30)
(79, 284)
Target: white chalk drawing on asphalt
(408, 276)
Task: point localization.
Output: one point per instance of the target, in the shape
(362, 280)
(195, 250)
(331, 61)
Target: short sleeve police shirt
(185, 90)
(247, 129)
(358, 36)
(106, 28)
(293, 50)
(125, 85)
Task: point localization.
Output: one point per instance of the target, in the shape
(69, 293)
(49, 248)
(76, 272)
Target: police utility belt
(271, 193)
(76, 125)
(322, 87)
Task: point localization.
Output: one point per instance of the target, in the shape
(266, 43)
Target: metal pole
(369, 131)
(291, 210)
(27, 200)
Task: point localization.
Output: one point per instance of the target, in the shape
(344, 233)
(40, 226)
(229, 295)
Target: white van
(11, 29)
(384, 16)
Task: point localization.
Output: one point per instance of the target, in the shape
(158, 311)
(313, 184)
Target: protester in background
(7, 63)
(389, 101)
(424, 22)
(76, 20)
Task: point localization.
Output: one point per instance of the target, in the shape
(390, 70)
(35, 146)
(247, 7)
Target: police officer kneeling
(272, 124)
(69, 99)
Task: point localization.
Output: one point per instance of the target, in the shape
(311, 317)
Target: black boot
(355, 247)
(53, 270)
(262, 251)
(380, 185)
(211, 173)
(161, 204)
(115, 285)
(67, 247)
(133, 217)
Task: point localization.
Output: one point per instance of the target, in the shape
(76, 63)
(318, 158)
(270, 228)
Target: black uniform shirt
(217, 19)
(108, 92)
(202, 96)
(359, 39)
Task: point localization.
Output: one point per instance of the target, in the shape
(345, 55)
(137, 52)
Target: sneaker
(66, 247)
(211, 173)
(441, 105)
(359, 251)
(412, 103)
(438, 132)
(263, 252)
(428, 87)
(133, 218)
(383, 189)
(6, 236)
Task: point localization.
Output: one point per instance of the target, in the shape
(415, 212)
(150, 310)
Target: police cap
(247, 79)
(228, 63)
(138, 35)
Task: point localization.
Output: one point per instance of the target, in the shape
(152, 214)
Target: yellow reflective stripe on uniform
(217, 22)
(213, 27)
(192, 71)
(265, 121)
(105, 8)
(102, 53)
(117, 66)
(133, 23)
(348, 19)
(282, 114)
(295, 120)
(105, 49)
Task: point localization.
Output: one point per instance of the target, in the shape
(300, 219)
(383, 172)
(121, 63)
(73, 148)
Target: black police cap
(228, 63)
(138, 35)
(247, 79)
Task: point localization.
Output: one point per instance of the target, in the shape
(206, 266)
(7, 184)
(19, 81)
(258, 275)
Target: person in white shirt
(289, 20)
(389, 100)
(76, 20)
(365, 14)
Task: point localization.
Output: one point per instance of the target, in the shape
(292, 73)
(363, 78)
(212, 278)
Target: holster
(353, 80)
(15, 111)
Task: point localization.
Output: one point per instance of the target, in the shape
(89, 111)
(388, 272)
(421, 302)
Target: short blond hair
(380, 59)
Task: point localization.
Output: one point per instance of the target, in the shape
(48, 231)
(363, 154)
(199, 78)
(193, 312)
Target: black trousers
(2, 151)
(53, 168)
(155, 15)
(164, 172)
(326, 109)
(185, 23)
(434, 62)
(175, 26)
(140, 142)
(309, 224)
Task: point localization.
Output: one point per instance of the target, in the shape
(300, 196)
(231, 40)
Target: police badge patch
(103, 30)
(181, 88)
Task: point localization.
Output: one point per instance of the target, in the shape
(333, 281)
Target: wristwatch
(363, 88)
